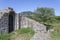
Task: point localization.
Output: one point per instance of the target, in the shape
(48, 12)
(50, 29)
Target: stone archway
(11, 21)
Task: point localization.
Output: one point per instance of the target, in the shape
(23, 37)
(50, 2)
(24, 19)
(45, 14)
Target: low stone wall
(27, 22)
(40, 29)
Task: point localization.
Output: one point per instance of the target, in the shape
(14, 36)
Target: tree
(46, 14)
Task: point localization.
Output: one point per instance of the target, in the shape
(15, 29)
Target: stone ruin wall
(27, 22)
(24, 22)
(40, 29)
(4, 21)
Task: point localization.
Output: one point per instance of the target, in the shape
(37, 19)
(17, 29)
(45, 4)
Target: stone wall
(27, 22)
(16, 22)
(19, 21)
(40, 29)
(4, 20)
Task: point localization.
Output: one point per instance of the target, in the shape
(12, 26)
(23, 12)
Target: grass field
(55, 35)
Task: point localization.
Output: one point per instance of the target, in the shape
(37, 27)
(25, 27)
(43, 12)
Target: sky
(30, 5)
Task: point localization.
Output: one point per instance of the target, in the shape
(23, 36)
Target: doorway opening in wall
(11, 27)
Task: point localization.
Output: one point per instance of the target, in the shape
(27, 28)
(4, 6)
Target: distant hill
(26, 13)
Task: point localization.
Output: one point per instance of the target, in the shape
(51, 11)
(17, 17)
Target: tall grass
(21, 31)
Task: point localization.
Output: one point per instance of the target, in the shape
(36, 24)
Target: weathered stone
(10, 21)
(6, 23)
(40, 30)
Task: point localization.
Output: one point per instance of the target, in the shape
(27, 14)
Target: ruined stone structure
(7, 20)
(10, 21)
(40, 29)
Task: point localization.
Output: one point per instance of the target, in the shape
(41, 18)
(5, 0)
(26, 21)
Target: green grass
(55, 35)
(23, 33)
(25, 30)
(4, 37)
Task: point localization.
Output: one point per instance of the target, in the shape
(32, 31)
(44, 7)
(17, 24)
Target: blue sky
(30, 5)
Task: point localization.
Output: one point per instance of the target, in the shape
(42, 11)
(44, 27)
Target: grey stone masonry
(16, 22)
(10, 21)
(4, 20)
(40, 30)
